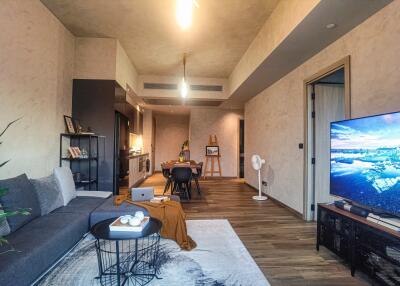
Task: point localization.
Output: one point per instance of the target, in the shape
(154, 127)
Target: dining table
(169, 165)
(176, 163)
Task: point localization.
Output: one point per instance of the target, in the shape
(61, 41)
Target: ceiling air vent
(203, 87)
(167, 86)
(179, 101)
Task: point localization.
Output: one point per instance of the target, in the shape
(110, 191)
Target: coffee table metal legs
(128, 262)
(118, 264)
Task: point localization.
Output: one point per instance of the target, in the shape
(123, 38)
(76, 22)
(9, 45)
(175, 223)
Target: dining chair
(196, 176)
(182, 176)
(167, 174)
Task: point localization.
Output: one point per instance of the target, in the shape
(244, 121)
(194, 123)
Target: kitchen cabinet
(137, 169)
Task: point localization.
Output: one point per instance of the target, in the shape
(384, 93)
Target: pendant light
(184, 86)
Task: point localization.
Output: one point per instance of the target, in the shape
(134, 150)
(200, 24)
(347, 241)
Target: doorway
(153, 145)
(241, 148)
(327, 100)
(121, 151)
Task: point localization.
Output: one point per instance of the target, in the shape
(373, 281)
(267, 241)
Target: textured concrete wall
(36, 68)
(95, 58)
(125, 73)
(224, 124)
(104, 58)
(171, 132)
(274, 118)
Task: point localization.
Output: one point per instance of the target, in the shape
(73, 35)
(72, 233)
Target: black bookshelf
(88, 167)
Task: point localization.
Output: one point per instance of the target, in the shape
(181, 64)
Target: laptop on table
(142, 194)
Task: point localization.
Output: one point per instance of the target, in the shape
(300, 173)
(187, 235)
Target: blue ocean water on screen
(365, 161)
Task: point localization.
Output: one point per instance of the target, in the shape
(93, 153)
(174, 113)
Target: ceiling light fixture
(184, 11)
(184, 86)
(331, 26)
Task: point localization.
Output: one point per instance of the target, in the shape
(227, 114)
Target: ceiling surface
(306, 40)
(221, 31)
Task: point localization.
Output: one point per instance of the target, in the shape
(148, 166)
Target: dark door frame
(345, 64)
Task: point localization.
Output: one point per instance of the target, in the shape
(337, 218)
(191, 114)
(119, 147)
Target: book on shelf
(117, 225)
(74, 152)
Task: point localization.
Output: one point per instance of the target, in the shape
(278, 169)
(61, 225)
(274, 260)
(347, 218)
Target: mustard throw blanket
(172, 216)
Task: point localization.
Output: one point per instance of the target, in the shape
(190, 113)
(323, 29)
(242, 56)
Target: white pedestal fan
(257, 163)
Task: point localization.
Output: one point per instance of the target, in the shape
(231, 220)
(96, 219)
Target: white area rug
(219, 259)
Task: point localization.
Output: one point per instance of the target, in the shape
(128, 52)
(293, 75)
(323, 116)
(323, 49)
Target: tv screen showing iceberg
(365, 161)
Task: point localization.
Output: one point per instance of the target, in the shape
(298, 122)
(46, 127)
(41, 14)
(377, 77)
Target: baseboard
(296, 213)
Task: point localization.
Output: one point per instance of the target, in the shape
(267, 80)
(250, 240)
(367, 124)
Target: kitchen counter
(137, 169)
(131, 156)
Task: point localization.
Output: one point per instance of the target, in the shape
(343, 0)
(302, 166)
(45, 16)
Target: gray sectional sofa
(41, 241)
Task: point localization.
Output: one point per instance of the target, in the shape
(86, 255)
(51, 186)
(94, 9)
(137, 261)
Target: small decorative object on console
(84, 153)
(78, 126)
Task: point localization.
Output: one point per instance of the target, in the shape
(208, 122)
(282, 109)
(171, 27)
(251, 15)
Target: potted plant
(185, 152)
(4, 214)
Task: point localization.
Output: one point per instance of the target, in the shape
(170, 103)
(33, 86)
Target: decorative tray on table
(117, 225)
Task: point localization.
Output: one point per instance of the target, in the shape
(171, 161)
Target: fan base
(260, 198)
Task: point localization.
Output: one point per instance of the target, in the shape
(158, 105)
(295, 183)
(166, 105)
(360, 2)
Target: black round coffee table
(127, 258)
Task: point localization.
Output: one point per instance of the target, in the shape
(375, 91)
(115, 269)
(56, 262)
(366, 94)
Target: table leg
(167, 185)
(118, 266)
(318, 228)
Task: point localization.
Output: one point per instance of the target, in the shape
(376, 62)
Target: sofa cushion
(39, 245)
(49, 195)
(20, 194)
(65, 183)
(82, 205)
(4, 227)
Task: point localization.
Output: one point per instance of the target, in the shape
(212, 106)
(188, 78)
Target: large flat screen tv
(365, 162)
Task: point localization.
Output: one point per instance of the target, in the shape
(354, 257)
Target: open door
(153, 146)
(327, 100)
(329, 107)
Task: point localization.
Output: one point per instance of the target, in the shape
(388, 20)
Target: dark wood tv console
(365, 245)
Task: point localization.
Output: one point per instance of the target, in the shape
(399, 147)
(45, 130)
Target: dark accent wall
(93, 105)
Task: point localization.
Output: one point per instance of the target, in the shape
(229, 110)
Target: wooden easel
(213, 142)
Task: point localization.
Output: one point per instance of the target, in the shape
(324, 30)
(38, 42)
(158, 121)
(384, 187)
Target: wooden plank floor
(282, 244)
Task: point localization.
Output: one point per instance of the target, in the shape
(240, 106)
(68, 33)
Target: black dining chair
(196, 176)
(167, 174)
(182, 176)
